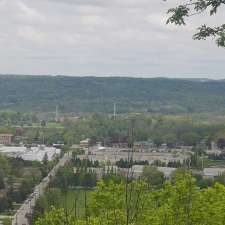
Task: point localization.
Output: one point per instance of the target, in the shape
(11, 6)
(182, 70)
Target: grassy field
(75, 197)
(6, 221)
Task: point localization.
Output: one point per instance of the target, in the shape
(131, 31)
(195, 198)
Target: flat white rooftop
(214, 171)
(32, 154)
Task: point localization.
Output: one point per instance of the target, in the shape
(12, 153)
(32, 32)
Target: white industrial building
(137, 171)
(36, 153)
(213, 172)
(113, 156)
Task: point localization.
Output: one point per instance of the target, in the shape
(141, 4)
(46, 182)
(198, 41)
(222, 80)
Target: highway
(24, 214)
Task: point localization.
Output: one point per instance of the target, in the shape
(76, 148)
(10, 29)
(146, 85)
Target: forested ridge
(95, 94)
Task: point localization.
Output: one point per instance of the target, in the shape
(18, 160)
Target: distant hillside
(91, 94)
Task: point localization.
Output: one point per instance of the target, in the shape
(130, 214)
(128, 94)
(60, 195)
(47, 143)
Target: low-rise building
(142, 146)
(75, 146)
(6, 139)
(85, 143)
(120, 145)
(215, 152)
(114, 155)
(36, 153)
(137, 171)
(213, 172)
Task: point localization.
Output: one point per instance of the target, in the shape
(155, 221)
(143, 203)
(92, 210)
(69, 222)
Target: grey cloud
(102, 37)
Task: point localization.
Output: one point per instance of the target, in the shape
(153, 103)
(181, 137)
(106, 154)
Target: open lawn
(75, 201)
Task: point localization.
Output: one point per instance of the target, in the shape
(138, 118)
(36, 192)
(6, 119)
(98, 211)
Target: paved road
(24, 214)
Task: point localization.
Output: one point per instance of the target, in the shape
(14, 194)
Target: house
(6, 139)
(75, 146)
(85, 143)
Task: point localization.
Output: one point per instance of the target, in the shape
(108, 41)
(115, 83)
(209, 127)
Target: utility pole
(114, 111)
(202, 164)
(56, 113)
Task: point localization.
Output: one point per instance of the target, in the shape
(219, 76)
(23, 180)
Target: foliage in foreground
(191, 8)
(177, 202)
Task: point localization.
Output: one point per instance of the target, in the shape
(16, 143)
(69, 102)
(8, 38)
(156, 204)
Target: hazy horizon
(117, 76)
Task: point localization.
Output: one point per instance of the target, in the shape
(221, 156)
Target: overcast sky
(103, 38)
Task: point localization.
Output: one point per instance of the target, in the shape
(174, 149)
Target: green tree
(190, 138)
(2, 182)
(170, 139)
(4, 165)
(153, 176)
(54, 217)
(26, 187)
(179, 202)
(220, 179)
(179, 14)
(45, 163)
(4, 204)
(46, 202)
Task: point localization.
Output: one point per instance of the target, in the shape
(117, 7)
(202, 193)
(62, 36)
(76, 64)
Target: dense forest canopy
(91, 94)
